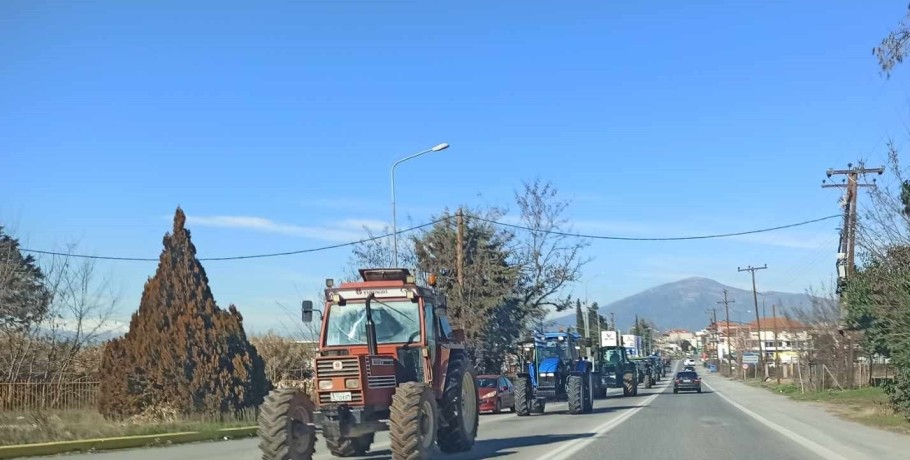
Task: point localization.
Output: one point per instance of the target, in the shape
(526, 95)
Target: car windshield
(486, 383)
(686, 375)
(396, 322)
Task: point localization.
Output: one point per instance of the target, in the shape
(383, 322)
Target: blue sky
(274, 126)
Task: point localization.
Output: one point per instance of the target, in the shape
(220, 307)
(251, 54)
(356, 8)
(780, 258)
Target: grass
(869, 406)
(49, 426)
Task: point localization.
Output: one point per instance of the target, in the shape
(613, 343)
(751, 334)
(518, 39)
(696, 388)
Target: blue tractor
(552, 370)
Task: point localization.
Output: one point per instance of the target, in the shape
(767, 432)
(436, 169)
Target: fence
(43, 395)
(821, 377)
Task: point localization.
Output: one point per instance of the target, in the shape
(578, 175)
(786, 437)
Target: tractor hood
(548, 365)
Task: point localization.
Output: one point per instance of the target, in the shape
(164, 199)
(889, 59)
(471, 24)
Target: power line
(255, 256)
(670, 238)
(418, 227)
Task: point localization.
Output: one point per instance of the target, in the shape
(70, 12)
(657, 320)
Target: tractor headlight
(351, 383)
(325, 384)
(488, 396)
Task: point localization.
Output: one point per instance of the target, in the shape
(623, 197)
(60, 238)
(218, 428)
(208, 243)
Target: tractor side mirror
(306, 311)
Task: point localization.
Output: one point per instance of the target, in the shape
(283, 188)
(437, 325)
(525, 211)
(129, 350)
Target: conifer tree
(182, 351)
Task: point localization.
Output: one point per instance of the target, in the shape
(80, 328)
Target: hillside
(682, 304)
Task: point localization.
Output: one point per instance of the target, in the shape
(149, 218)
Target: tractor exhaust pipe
(371, 328)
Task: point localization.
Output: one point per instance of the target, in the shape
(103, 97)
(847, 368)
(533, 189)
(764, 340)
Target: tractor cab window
(613, 356)
(396, 322)
(445, 327)
(552, 349)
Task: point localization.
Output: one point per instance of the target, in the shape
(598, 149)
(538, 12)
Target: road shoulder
(810, 423)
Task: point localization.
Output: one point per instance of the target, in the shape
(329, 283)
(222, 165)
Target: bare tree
(51, 346)
(893, 47)
(548, 257)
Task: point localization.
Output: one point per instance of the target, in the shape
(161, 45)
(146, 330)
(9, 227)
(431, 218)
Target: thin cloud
(341, 231)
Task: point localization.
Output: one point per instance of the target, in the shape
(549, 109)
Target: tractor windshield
(612, 356)
(552, 350)
(396, 322)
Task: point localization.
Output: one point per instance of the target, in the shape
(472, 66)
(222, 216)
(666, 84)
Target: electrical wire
(418, 227)
(669, 238)
(254, 256)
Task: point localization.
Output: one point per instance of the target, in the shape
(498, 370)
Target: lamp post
(437, 148)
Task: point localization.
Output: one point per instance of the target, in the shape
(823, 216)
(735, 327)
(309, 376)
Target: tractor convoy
(389, 360)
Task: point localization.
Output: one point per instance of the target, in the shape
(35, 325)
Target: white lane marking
(577, 445)
(813, 446)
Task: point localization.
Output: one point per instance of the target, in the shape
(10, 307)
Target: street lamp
(437, 148)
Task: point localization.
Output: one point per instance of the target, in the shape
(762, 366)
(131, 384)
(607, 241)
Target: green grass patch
(50, 426)
(869, 406)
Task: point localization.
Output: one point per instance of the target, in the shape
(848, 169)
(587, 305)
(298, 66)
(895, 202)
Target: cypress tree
(182, 352)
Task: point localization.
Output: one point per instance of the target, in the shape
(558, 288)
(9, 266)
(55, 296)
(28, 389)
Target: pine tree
(24, 298)
(182, 351)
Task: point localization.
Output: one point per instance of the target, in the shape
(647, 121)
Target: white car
(689, 362)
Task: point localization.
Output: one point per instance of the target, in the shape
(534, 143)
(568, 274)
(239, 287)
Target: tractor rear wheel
(647, 382)
(575, 392)
(412, 422)
(522, 396)
(349, 447)
(460, 407)
(285, 426)
(589, 394)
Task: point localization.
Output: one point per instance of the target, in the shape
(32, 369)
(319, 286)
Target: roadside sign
(745, 367)
(750, 358)
(608, 339)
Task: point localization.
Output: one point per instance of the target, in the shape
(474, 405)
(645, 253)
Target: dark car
(686, 381)
(496, 392)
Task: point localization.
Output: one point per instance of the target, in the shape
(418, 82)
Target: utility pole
(459, 239)
(727, 351)
(761, 353)
(713, 312)
(847, 246)
(776, 348)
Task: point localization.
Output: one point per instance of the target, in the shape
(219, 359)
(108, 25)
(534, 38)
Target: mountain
(682, 304)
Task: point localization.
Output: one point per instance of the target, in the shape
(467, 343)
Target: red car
(496, 392)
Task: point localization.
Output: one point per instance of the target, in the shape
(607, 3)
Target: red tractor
(388, 360)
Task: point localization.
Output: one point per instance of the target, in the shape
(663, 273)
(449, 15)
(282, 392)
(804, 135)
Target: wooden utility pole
(728, 352)
(761, 354)
(846, 263)
(847, 246)
(713, 312)
(459, 239)
(776, 343)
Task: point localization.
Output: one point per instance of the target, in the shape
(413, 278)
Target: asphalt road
(654, 424)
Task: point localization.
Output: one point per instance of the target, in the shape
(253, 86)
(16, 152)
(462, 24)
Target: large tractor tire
(412, 422)
(575, 393)
(648, 383)
(459, 408)
(523, 396)
(285, 426)
(629, 384)
(589, 394)
(349, 447)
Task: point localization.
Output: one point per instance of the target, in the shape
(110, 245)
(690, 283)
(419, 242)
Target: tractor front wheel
(522, 396)
(412, 422)
(629, 384)
(575, 392)
(460, 407)
(285, 426)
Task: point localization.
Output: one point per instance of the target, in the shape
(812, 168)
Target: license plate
(684, 381)
(343, 396)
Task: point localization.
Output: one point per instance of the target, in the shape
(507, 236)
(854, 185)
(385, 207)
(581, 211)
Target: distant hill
(682, 304)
